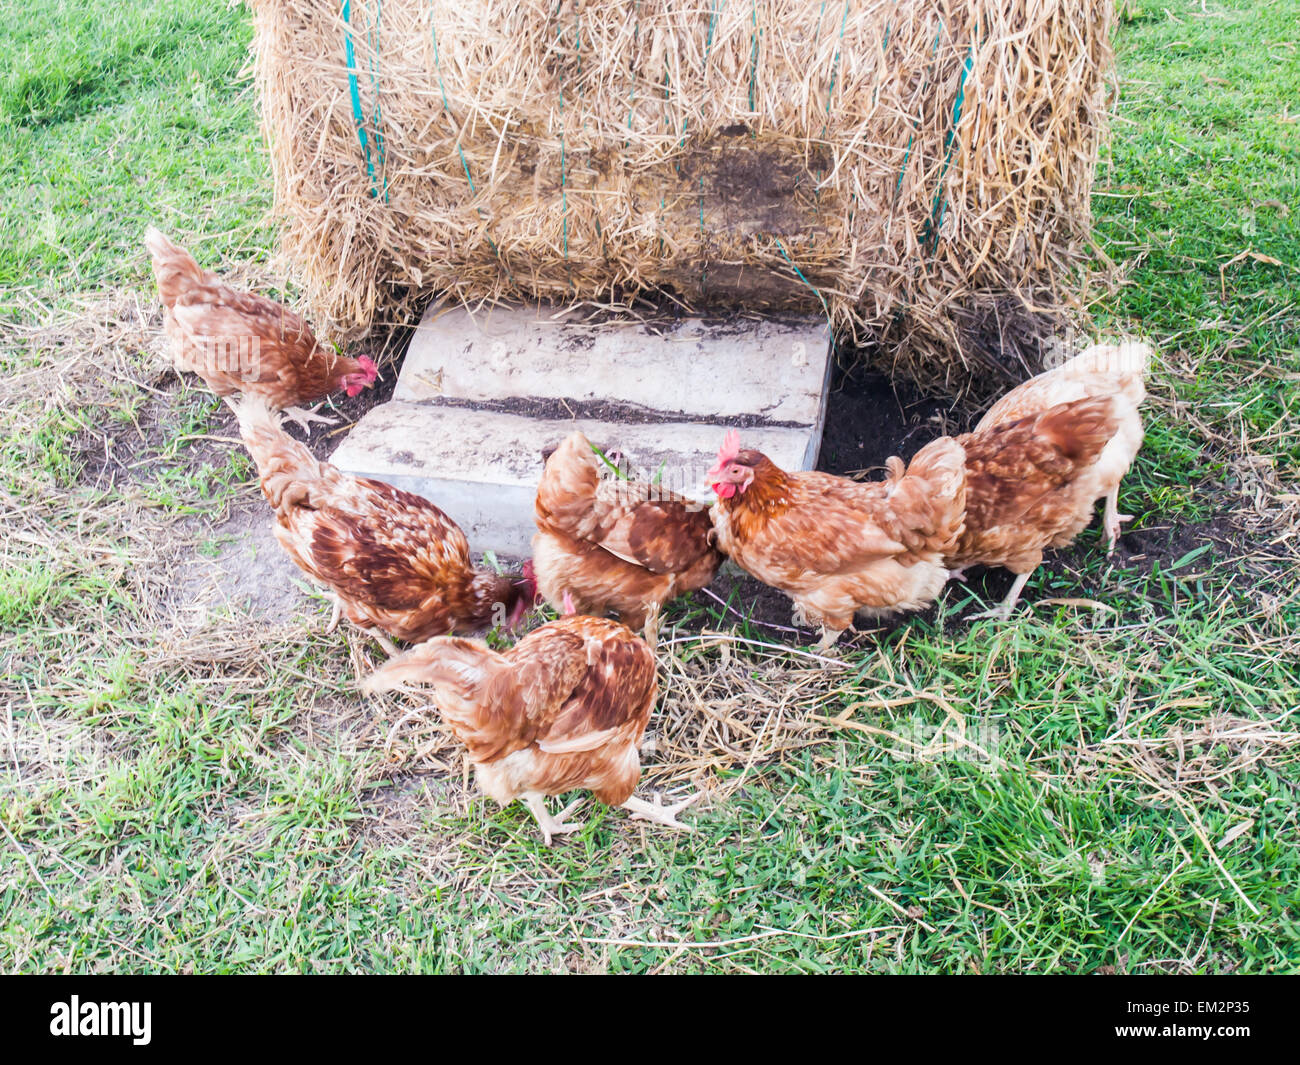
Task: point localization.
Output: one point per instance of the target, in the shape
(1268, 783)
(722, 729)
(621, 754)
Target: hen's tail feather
(1081, 429)
(288, 471)
(172, 264)
(566, 493)
(456, 668)
(259, 425)
(929, 498)
(1126, 363)
(1126, 357)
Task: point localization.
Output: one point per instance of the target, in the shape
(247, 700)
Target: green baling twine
(933, 223)
(354, 90)
(931, 233)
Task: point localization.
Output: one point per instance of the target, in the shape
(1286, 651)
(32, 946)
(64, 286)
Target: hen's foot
(1003, 610)
(552, 826)
(304, 418)
(830, 637)
(650, 630)
(958, 574)
(389, 647)
(1112, 520)
(659, 813)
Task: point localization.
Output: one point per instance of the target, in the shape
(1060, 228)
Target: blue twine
(940, 207)
(355, 91)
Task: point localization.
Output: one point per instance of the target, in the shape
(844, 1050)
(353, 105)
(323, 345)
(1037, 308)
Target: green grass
(113, 116)
(1205, 165)
(220, 799)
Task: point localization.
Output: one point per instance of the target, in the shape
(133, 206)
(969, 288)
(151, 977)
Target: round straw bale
(919, 170)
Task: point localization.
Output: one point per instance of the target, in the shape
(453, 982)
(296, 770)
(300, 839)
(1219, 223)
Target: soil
(249, 571)
(869, 418)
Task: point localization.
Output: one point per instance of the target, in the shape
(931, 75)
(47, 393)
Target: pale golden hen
(1031, 484)
(1114, 370)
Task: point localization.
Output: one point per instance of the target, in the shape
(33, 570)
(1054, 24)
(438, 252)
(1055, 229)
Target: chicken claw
(659, 813)
(304, 418)
(1003, 610)
(389, 647)
(1112, 520)
(552, 826)
(650, 630)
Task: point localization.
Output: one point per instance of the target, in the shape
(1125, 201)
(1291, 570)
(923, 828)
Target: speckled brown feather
(838, 546)
(395, 560)
(1028, 483)
(239, 341)
(564, 708)
(1115, 370)
(614, 544)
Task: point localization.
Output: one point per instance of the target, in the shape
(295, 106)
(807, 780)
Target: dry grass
(919, 170)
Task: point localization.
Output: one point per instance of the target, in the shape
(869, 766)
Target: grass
(1082, 789)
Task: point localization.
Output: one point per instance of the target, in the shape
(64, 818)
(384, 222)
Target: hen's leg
(650, 630)
(830, 637)
(335, 614)
(550, 826)
(389, 647)
(659, 813)
(958, 574)
(1003, 610)
(304, 418)
(1113, 518)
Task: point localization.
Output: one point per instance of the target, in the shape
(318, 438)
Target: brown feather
(1028, 483)
(393, 558)
(582, 686)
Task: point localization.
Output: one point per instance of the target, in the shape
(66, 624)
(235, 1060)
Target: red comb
(730, 447)
(727, 452)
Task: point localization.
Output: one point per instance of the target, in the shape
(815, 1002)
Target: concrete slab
(769, 369)
(482, 467)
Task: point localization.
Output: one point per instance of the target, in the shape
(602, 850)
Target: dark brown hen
(393, 560)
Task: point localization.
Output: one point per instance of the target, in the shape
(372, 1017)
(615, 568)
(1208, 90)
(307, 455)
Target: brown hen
(1030, 484)
(241, 342)
(393, 560)
(615, 544)
(564, 708)
(839, 547)
(1115, 370)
